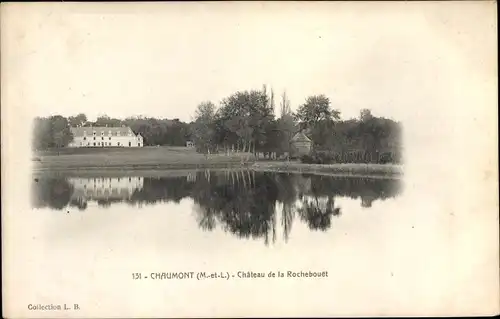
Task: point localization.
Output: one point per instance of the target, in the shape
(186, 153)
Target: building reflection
(104, 189)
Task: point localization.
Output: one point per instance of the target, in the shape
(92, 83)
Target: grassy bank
(359, 170)
(153, 161)
(133, 158)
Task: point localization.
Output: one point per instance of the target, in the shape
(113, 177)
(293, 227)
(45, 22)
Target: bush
(307, 159)
(317, 158)
(324, 157)
(386, 158)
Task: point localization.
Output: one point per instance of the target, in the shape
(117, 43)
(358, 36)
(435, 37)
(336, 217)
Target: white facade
(105, 137)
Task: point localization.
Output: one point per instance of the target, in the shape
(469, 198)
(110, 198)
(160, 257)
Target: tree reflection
(49, 192)
(316, 214)
(243, 203)
(206, 217)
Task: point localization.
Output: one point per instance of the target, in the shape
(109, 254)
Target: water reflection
(104, 190)
(245, 203)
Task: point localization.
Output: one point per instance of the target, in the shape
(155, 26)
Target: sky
(163, 59)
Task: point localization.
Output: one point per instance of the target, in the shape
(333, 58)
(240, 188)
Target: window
(84, 138)
(88, 144)
(94, 139)
(110, 138)
(118, 143)
(139, 144)
(102, 138)
(94, 142)
(94, 133)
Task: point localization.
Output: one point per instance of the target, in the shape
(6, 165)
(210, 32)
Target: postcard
(249, 159)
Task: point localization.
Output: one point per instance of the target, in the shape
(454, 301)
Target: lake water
(88, 235)
(270, 208)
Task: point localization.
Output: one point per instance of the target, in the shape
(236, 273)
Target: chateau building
(105, 137)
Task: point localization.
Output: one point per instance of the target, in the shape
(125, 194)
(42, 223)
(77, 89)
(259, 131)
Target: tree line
(54, 131)
(246, 121)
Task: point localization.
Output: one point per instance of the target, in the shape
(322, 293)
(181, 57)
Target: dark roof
(300, 137)
(79, 131)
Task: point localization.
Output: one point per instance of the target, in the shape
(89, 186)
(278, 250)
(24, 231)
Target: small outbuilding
(300, 145)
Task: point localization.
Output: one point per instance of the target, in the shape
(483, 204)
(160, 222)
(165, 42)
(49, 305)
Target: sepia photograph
(249, 159)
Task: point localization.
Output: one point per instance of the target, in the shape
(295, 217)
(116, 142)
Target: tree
(365, 115)
(105, 120)
(60, 131)
(317, 117)
(315, 109)
(271, 100)
(246, 115)
(78, 120)
(285, 105)
(51, 132)
(179, 133)
(265, 132)
(286, 124)
(42, 136)
(204, 127)
(273, 137)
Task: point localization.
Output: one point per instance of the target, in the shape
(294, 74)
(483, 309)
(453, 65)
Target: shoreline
(183, 169)
(353, 169)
